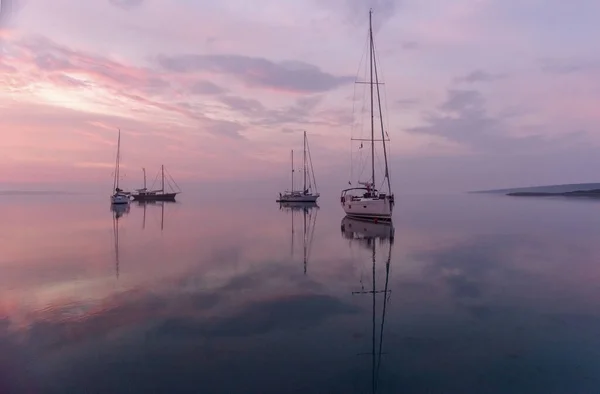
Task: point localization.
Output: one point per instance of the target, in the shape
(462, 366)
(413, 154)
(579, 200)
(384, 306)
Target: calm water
(475, 294)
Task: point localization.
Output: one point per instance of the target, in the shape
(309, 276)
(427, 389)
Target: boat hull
(306, 198)
(370, 209)
(155, 197)
(119, 199)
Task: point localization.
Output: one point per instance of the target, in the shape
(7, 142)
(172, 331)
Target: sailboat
(119, 196)
(366, 201)
(306, 194)
(156, 195)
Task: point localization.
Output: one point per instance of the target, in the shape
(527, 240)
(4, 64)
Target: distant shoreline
(580, 189)
(577, 193)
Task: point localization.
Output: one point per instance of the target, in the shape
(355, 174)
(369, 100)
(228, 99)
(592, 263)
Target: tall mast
(304, 165)
(292, 170)
(144, 171)
(372, 112)
(116, 181)
(162, 169)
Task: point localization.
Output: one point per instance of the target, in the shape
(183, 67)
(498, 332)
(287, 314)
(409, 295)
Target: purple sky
(479, 93)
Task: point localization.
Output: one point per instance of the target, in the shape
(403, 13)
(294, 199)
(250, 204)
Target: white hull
(119, 199)
(299, 198)
(368, 208)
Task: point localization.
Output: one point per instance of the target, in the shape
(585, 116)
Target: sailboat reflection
(118, 211)
(309, 216)
(366, 234)
(144, 204)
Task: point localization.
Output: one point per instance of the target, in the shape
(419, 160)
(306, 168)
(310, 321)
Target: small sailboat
(307, 194)
(366, 201)
(157, 195)
(119, 196)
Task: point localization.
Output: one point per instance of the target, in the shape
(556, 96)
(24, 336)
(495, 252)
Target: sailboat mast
(304, 165)
(162, 169)
(117, 175)
(292, 170)
(144, 171)
(372, 112)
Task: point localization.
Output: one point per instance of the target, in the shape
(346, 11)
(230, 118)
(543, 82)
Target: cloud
(479, 76)
(569, 66)
(298, 77)
(7, 7)
(463, 118)
(224, 128)
(126, 4)
(410, 45)
(141, 90)
(355, 12)
(405, 103)
(206, 87)
(50, 57)
(302, 111)
(246, 106)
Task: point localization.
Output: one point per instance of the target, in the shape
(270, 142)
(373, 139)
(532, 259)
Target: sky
(477, 93)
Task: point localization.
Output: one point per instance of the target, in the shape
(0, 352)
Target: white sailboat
(307, 194)
(366, 201)
(119, 196)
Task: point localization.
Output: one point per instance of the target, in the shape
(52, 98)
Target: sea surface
(468, 293)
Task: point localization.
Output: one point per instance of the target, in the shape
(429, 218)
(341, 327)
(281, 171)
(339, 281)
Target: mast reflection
(368, 235)
(161, 204)
(118, 211)
(309, 220)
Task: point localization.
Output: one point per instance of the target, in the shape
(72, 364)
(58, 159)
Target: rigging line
(387, 119)
(385, 100)
(169, 174)
(155, 180)
(354, 120)
(169, 184)
(311, 167)
(387, 172)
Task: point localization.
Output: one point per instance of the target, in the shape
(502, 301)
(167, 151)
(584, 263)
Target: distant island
(567, 190)
(576, 193)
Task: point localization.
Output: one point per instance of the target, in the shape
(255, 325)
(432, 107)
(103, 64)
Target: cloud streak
(295, 77)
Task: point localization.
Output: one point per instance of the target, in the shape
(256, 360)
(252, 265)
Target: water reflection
(490, 296)
(309, 220)
(118, 211)
(368, 235)
(161, 204)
